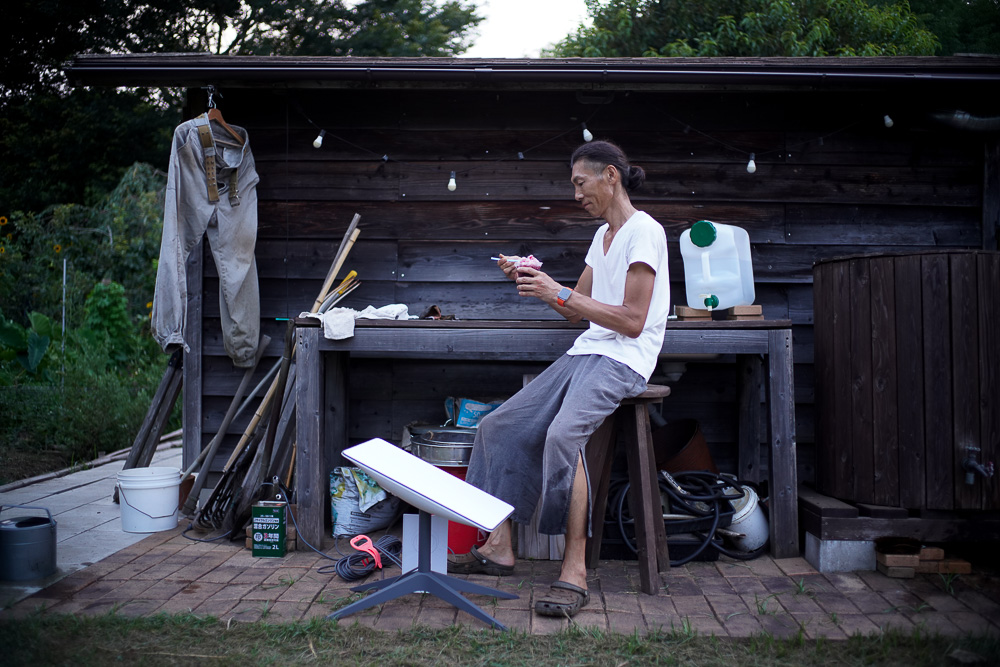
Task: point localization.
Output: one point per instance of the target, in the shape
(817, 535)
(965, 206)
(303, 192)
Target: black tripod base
(440, 585)
(425, 580)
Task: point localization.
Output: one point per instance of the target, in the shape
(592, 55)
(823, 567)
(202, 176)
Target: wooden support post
(310, 493)
(784, 485)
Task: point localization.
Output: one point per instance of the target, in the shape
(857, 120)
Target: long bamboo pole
(333, 274)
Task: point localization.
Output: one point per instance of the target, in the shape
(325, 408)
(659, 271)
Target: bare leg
(498, 548)
(499, 545)
(574, 566)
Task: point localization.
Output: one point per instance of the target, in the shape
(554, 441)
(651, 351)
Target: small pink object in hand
(529, 262)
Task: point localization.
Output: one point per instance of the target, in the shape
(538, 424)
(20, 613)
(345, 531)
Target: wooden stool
(630, 422)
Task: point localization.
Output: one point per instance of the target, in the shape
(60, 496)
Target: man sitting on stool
(530, 449)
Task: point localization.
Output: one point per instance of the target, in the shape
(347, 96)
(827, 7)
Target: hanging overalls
(211, 188)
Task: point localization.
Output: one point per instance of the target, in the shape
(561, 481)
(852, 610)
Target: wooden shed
(852, 155)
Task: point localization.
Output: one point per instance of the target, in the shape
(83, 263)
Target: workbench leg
(310, 463)
(784, 517)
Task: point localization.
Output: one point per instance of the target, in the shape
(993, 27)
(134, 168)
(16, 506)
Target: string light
(589, 136)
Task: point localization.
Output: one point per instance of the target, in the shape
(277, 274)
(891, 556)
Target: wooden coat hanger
(213, 113)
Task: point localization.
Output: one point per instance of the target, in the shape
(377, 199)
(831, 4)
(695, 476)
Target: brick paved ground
(168, 573)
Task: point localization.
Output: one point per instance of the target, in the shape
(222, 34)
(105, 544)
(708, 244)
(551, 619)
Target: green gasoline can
(267, 532)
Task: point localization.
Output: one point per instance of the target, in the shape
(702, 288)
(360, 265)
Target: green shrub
(88, 271)
(93, 398)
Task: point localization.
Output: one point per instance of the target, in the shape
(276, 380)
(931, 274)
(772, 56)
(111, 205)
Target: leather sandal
(563, 599)
(476, 563)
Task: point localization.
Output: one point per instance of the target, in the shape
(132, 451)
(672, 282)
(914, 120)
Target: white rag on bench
(338, 323)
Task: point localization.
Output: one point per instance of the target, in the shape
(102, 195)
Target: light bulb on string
(318, 141)
(887, 120)
(587, 134)
(451, 183)
(752, 165)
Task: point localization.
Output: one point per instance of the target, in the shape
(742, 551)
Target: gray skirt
(526, 451)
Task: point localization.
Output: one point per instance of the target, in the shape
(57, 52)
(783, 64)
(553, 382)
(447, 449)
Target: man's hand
(509, 266)
(536, 283)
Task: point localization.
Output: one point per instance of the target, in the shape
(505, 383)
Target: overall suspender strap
(208, 146)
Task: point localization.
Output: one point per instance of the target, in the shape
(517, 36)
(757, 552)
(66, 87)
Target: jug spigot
(972, 466)
(711, 301)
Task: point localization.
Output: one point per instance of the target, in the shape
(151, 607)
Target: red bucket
(462, 538)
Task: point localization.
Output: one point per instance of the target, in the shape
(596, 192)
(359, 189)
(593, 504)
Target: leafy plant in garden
(106, 312)
(26, 346)
(88, 394)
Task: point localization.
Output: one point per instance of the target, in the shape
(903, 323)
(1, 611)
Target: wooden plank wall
(831, 180)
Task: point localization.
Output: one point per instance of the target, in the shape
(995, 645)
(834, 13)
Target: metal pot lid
(419, 429)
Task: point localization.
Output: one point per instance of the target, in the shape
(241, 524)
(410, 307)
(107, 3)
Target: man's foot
(563, 599)
(476, 563)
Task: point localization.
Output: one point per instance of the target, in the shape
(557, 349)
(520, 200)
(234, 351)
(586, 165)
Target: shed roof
(198, 69)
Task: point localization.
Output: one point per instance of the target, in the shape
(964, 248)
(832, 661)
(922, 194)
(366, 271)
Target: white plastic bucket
(718, 271)
(149, 499)
(749, 521)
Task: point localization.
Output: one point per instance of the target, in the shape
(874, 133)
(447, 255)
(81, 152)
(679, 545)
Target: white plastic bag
(358, 504)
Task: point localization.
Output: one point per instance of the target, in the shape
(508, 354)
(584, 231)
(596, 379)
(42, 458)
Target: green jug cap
(711, 301)
(703, 233)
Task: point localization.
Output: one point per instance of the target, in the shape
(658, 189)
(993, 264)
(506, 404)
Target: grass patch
(55, 639)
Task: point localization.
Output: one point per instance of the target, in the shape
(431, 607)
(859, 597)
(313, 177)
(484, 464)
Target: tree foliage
(68, 147)
(63, 145)
(117, 239)
(39, 36)
(747, 28)
(961, 26)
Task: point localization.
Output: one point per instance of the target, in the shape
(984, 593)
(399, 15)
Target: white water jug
(718, 272)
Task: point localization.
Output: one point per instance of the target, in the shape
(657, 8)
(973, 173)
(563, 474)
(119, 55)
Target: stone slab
(840, 555)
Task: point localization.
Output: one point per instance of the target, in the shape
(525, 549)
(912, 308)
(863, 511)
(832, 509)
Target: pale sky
(521, 28)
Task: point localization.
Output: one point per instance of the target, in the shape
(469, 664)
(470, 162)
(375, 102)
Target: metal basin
(443, 445)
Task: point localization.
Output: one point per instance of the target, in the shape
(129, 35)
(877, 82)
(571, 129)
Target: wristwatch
(563, 295)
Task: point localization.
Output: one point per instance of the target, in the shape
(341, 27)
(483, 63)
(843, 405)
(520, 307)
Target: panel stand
(425, 580)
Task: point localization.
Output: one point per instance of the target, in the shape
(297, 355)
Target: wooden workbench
(321, 394)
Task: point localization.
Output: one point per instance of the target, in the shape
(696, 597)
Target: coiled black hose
(360, 564)
(704, 495)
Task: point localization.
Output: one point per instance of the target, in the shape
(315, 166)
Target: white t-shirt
(641, 239)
